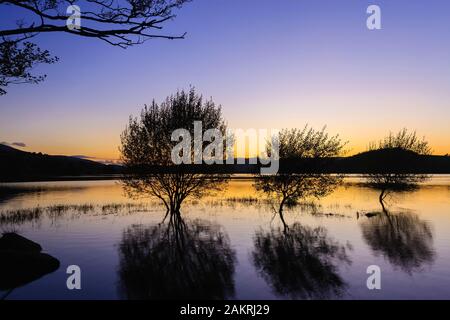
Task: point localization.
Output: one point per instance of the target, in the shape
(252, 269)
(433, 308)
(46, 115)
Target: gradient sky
(270, 64)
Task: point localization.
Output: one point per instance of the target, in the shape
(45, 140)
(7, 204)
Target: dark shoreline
(20, 166)
(61, 178)
(233, 176)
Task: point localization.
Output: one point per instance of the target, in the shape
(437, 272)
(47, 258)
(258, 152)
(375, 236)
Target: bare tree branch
(120, 23)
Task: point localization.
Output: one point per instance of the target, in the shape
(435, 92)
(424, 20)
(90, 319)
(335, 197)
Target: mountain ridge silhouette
(18, 165)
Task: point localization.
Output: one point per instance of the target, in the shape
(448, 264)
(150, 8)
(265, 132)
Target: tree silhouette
(147, 146)
(180, 260)
(300, 262)
(388, 174)
(311, 149)
(17, 60)
(121, 23)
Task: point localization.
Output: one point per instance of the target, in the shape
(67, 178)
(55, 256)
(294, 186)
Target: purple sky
(270, 64)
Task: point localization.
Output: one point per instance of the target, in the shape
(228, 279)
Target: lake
(234, 245)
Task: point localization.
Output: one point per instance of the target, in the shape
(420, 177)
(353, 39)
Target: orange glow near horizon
(109, 150)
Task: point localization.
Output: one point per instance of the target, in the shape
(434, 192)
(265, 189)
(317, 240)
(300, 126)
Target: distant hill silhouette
(392, 160)
(375, 161)
(16, 165)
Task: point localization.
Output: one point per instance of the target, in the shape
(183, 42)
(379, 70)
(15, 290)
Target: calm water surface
(234, 245)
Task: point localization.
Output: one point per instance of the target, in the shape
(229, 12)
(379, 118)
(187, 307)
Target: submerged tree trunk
(381, 199)
(175, 206)
(385, 211)
(280, 212)
(382, 195)
(165, 217)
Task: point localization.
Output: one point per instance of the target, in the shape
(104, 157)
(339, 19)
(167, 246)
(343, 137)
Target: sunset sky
(270, 64)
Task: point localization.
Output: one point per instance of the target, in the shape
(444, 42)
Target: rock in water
(21, 261)
(14, 242)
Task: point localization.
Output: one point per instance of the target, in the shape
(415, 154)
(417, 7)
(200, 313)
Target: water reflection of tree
(300, 262)
(402, 238)
(176, 260)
